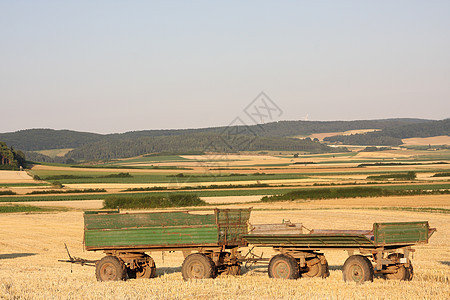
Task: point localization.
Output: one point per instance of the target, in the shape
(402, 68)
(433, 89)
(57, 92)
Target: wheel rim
(281, 270)
(313, 270)
(400, 274)
(143, 272)
(356, 273)
(108, 272)
(197, 270)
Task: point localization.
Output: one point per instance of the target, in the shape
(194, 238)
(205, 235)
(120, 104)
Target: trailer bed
(382, 235)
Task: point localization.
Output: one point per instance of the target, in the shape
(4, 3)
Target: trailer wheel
(234, 270)
(318, 270)
(148, 269)
(402, 272)
(283, 266)
(198, 266)
(357, 268)
(410, 271)
(110, 268)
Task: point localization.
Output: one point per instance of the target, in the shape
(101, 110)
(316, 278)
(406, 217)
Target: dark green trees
(10, 159)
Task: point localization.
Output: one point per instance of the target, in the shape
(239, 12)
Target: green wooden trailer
(211, 242)
(383, 250)
(127, 238)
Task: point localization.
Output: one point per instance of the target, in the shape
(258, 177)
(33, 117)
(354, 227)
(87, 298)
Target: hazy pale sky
(115, 66)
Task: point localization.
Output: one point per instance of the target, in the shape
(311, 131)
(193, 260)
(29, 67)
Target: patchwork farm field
(35, 227)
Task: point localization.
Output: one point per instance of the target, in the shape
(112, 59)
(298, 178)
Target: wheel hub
(197, 271)
(356, 273)
(282, 270)
(108, 272)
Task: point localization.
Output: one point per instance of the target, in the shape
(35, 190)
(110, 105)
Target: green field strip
(210, 193)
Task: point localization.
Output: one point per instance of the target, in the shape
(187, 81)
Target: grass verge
(21, 208)
(203, 187)
(7, 193)
(396, 176)
(67, 191)
(207, 193)
(351, 192)
(443, 174)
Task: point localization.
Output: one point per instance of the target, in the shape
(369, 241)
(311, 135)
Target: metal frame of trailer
(383, 250)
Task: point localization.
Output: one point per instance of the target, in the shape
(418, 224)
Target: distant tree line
(369, 138)
(11, 159)
(393, 136)
(205, 142)
(271, 136)
(38, 157)
(42, 139)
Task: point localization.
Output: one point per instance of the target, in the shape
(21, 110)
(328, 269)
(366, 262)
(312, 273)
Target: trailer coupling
(78, 260)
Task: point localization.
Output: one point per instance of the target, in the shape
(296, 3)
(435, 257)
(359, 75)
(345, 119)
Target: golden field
(31, 245)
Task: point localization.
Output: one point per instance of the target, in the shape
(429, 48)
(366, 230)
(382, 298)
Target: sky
(116, 66)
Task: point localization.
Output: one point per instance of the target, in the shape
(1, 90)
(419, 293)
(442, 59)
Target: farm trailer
(216, 239)
(125, 238)
(383, 250)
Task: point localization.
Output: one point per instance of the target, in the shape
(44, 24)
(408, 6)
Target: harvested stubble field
(31, 244)
(15, 177)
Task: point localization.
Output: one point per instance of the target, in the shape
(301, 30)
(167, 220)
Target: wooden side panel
(401, 233)
(151, 237)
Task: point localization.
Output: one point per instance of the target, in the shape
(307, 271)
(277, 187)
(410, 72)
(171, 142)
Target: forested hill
(41, 139)
(271, 136)
(393, 136)
(201, 142)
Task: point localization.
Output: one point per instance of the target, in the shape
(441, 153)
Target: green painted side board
(401, 233)
(136, 220)
(152, 236)
(113, 230)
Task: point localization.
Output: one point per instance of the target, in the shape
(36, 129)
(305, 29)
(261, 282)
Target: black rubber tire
(317, 270)
(410, 271)
(283, 266)
(198, 266)
(110, 268)
(357, 268)
(131, 274)
(403, 272)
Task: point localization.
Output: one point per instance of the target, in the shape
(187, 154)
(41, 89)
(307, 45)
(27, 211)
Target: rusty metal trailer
(383, 250)
(126, 238)
(211, 242)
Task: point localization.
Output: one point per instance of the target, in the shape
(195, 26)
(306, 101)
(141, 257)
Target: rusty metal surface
(310, 241)
(283, 228)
